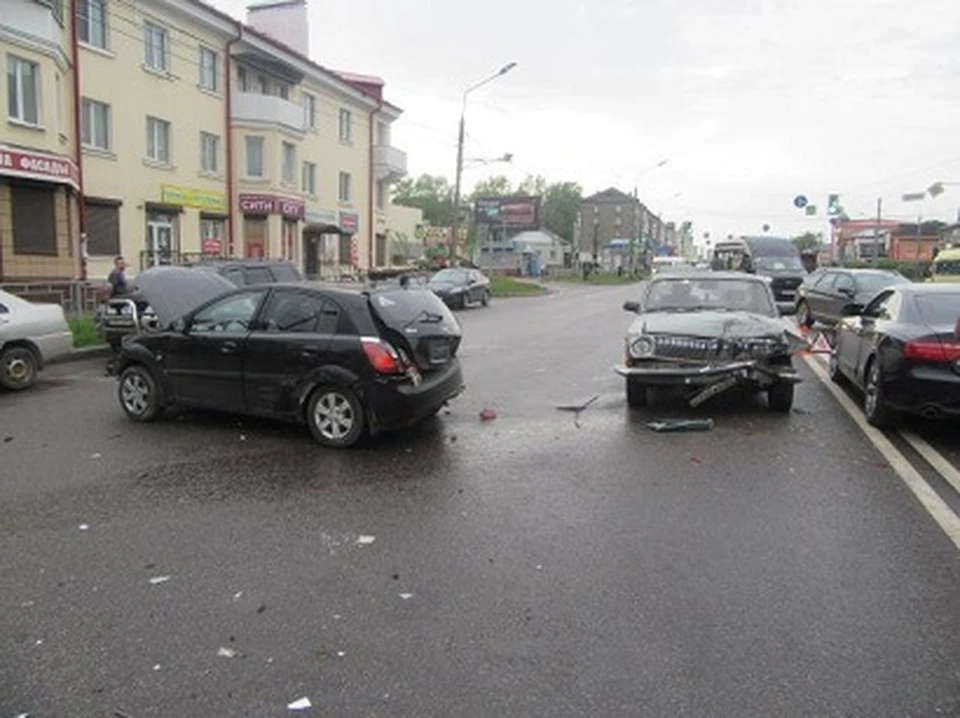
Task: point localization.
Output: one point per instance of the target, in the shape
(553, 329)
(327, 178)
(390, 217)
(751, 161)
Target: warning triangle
(820, 345)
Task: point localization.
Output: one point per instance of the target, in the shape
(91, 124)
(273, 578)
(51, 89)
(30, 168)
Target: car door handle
(309, 352)
(228, 347)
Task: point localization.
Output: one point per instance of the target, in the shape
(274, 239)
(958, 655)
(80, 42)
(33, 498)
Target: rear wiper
(426, 317)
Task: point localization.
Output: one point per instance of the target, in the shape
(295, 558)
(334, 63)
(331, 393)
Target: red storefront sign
(38, 166)
(212, 246)
(271, 204)
(349, 222)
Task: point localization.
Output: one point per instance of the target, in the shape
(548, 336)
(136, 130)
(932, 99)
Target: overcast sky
(751, 101)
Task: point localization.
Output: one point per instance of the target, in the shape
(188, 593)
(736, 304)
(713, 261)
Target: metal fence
(77, 298)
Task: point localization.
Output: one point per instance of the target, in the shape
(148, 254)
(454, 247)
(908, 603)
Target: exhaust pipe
(930, 411)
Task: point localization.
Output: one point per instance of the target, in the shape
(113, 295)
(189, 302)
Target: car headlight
(642, 347)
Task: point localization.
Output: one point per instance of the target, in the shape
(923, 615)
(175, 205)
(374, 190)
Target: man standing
(117, 279)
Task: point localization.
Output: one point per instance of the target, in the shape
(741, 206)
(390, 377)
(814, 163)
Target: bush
(85, 333)
(911, 270)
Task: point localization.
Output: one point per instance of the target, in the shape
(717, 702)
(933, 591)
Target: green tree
(430, 193)
(807, 240)
(532, 186)
(559, 208)
(497, 186)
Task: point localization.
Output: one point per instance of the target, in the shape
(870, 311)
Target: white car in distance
(31, 335)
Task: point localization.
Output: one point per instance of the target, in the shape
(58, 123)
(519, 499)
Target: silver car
(31, 335)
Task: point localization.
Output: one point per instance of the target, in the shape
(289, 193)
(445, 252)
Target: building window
(34, 218)
(209, 69)
(242, 78)
(288, 239)
(345, 188)
(383, 134)
(345, 250)
(309, 179)
(102, 228)
(213, 232)
(92, 22)
(23, 90)
(283, 91)
(158, 140)
(209, 153)
(289, 171)
(96, 124)
(346, 126)
(254, 156)
(157, 47)
(310, 110)
(264, 84)
(57, 89)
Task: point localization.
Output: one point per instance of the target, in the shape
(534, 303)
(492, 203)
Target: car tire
(485, 300)
(836, 376)
(335, 417)
(780, 396)
(140, 395)
(803, 315)
(462, 301)
(636, 394)
(18, 368)
(876, 413)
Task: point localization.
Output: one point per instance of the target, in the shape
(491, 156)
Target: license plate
(788, 293)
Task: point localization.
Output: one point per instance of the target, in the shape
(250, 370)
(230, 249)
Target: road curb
(96, 352)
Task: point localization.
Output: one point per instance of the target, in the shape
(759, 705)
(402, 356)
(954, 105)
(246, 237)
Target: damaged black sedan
(704, 333)
(345, 363)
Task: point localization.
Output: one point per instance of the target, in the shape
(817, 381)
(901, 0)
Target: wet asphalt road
(522, 566)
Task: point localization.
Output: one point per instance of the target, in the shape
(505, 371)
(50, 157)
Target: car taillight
(956, 331)
(934, 351)
(382, 357)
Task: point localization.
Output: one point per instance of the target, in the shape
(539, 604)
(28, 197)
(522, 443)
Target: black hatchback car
(345, 363)
(825, 294)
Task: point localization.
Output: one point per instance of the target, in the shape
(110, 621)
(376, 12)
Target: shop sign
(271, 204)
(349, 222)
(38, 166)
(322, 216)
(212, 246)
(196, 198)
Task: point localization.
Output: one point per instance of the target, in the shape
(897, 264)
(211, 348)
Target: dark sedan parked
(824, 294)
(461, 286)
(344, 363)
(903, 351)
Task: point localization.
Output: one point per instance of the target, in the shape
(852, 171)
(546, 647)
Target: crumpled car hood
(715, 325)
(175, 291)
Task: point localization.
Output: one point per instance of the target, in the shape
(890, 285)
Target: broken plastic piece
(579, 407)
(667, 425)
(406, 596)
(488, 415)
(301, 704)
(227, 653)
(83, 527)
(159, 579)
(365, 540)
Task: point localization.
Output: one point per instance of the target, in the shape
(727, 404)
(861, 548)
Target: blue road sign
(799, 201)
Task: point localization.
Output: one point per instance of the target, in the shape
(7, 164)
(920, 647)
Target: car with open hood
(459, 287)
(120, 316)
(346, 363)
(703, 333)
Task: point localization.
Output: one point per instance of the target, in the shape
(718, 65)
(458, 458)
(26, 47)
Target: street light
(456, 189)
(506, 157)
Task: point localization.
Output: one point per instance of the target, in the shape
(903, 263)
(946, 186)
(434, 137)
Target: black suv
(346, 363)
(121, 316)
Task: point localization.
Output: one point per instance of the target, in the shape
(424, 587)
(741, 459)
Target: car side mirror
(181, 326)
(631, 306)
(852, 310)
(788, 311)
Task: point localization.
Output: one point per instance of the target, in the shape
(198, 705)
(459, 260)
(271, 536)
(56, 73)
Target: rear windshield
(779, 264)
(286, 273)
(875, 283)
(939, 308)
(772, 247)
(404, 308)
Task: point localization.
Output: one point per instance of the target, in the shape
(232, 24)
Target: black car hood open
(175, 291)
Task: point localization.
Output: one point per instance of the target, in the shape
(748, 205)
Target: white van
(662, 264)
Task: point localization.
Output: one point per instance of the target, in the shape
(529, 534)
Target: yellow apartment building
(39, 169)
(198, 136)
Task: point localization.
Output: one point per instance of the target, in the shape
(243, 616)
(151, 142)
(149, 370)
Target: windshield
(947, 267)
(401, 308)
(778, 264)
(940, 308)
(455, 276)
(286, 273)
(874, 283)
(695, 294)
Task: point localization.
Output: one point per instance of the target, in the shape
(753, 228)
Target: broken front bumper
(704, 374)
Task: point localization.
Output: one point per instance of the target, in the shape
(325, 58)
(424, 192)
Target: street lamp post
(460, 137)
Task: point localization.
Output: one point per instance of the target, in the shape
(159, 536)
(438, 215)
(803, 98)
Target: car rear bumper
(54, 346)
(393, 405)
(925, 391)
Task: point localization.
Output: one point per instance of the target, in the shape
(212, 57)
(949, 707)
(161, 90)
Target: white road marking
(933, 457)
(929, 499)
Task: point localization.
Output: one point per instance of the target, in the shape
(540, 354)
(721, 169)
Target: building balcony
(260, 109)
(389, 163)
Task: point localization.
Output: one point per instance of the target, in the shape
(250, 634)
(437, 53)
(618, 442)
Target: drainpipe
(228, 120)
(78, 143)
(373, 217)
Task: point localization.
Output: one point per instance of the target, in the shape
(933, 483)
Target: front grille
(697, 349)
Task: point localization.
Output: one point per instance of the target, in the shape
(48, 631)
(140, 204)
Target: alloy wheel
(135, 393)
(334, 416)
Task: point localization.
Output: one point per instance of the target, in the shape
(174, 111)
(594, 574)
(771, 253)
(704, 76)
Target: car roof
(928, 288)
(708, 275)
(863, 270)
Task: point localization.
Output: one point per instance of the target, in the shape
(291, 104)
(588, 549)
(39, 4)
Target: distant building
(613, 214)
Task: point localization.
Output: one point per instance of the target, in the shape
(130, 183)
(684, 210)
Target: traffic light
(833, 205)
